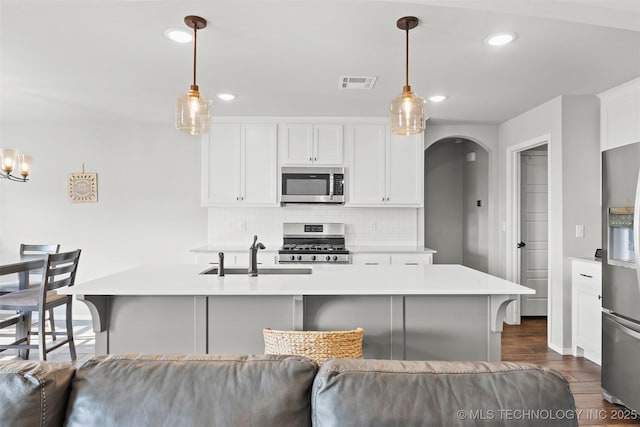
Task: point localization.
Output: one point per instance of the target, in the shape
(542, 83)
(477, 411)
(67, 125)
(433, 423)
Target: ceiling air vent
(357, 82)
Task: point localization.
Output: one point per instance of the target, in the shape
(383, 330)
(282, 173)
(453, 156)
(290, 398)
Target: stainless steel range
(313, 243)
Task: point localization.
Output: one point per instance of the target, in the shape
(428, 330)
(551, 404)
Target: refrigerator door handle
(627, 327)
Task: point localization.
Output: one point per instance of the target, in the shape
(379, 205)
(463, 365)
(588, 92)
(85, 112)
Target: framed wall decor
(83, 186)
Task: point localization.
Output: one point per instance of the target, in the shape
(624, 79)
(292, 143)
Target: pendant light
(193, 111)
(407, 110)
(9, 158)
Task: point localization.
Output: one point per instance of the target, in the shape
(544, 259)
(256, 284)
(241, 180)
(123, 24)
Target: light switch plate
(579, 230)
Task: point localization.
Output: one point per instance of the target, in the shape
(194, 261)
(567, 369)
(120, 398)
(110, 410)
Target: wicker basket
(316, 345)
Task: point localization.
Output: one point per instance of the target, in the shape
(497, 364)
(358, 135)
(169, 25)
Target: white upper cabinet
(620, 115)
(239, 165)
(307, 144)
(385, 169)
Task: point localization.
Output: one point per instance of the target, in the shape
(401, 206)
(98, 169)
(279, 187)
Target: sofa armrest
(403, 393)
(152, 390)
(34, 393)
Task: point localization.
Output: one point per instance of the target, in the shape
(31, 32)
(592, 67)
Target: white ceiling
(108, 61)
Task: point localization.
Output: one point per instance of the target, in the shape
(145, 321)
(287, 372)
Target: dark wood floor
(527, 342)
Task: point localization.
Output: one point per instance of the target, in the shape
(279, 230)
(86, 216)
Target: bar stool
(316, 345)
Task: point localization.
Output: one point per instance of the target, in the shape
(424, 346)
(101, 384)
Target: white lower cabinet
(586, 310)
(391, 258)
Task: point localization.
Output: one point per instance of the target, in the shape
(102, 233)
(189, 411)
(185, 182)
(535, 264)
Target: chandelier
(9, 158)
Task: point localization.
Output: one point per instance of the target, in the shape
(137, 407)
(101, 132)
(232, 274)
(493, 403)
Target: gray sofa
(265, 390)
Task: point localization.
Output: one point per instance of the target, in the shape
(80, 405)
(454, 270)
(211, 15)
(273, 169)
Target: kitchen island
(411, 312)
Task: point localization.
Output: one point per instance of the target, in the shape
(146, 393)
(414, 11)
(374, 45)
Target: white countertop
(233, 248)
(352, 249)
(390, 249)
(588, 259)
(184, 279)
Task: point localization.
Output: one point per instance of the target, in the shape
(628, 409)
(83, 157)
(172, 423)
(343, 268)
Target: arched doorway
(456, 192)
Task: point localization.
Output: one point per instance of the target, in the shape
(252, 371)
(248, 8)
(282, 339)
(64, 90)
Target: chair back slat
(27, 249)
(60, 270)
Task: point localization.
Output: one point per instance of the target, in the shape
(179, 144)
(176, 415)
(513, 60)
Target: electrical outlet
(243, 225)
(579, 230)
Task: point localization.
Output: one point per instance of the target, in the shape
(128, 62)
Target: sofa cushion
(154, 390)
(403, 393)
(34, 393)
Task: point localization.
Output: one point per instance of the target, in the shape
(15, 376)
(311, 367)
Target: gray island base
(430, 312)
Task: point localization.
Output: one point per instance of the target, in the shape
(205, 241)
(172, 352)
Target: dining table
(11, 264)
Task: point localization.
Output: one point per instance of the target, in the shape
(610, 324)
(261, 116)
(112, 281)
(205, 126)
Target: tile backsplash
(364, 226)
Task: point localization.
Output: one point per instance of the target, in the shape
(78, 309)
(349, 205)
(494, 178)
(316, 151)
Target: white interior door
(533, 232)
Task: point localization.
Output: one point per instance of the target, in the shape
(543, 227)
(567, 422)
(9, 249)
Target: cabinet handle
(310, 159)
(383, 199)
(410, 263)
(599, 296)
(586, 275)
(237, 198)
(370, 263)
(387, 199)
(315, 159)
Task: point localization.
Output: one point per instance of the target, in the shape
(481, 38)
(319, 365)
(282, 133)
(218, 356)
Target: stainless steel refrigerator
(621, 276)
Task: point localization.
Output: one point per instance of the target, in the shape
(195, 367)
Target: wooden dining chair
(34, 277)
(59, 270)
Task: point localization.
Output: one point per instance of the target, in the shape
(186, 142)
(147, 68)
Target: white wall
(475, 246)
(443, 201)
(487, 137)
(572, 126)
(148, 208)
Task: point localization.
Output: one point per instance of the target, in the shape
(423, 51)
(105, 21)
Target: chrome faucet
(253, 256)
(221, 264)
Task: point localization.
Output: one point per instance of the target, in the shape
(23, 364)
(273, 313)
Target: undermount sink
(261, 271)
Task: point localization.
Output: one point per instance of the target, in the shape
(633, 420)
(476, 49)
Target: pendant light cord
(406, 64)
(195, 44)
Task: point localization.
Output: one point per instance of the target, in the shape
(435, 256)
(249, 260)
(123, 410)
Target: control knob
(335, 257)
(313, 257)
(328, 257)
(299, 257)
(293, 257)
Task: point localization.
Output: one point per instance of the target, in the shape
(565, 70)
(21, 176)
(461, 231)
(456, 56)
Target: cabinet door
(411, 259)
(620, 116)
(221, 165)
(366, 184)
(259, 165)
(298, 145)
(371, 259)
(404, 181)
(589, 323)
(328, 147)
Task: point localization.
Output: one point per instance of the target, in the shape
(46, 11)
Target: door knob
(521, 245)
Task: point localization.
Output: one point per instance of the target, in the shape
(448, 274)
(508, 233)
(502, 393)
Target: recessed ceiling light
(226, 96)
(437, 98)
(500, 39)
(177, 35)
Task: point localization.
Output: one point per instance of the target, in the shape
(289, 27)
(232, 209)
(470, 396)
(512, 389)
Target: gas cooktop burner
(326, 247)
(313, 243)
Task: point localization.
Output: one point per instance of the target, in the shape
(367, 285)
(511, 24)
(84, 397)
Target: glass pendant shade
(407, 113)
(24, 161)
(8, 157)
(193, 113)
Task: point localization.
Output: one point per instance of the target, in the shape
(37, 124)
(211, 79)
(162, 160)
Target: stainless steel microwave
(312, 185)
